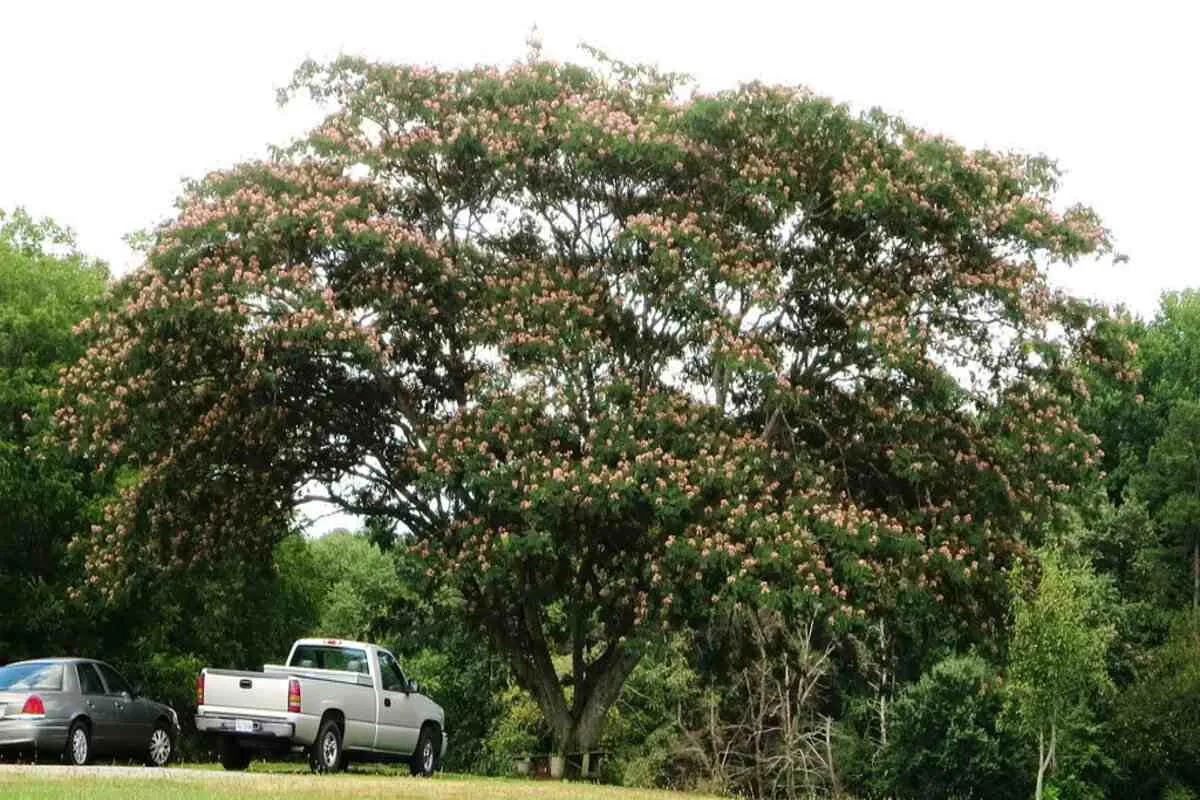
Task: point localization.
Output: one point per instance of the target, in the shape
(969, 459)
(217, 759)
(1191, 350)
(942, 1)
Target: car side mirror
(131, 693)
(414, 687)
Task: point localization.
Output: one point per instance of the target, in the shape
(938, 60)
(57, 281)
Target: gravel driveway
(64, 772)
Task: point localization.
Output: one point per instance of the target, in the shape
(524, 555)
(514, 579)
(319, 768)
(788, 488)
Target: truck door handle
(387, 701)
(245, 683)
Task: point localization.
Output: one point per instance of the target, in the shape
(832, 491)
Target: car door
(132, 720)
(393, 732)
(99, 708)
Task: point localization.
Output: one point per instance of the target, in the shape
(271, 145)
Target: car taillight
(33, 705)
(200, 689)
(294, 696)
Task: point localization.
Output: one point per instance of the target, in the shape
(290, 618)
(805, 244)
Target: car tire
(424, 760)
(233, 757)
(161, 748)
(79, 744)
(326, 754)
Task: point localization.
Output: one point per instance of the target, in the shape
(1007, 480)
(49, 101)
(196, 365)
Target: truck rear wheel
(233, 756)
(326, 755)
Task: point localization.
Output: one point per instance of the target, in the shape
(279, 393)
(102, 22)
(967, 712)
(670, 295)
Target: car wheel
(79, 744)
(232, 756)
(325, 755)
(424, 761)
(161, 747)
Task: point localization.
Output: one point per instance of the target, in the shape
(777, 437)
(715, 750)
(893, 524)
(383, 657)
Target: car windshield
(30, 676)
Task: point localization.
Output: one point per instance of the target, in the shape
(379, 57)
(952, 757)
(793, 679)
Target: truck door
(394, 732)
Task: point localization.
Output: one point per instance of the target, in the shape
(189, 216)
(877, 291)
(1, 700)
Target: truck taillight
(33, 705)
(294, 696)
(200, 689)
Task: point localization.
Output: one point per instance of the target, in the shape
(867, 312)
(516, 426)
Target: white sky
(105, 107)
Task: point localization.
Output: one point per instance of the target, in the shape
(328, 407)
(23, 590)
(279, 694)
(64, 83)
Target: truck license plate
(244, 726)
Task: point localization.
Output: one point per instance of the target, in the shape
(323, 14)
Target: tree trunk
(577, 727)
(597, 684)
(1037, 792)
(1045, 757)
(1196, 575)
(594, 697)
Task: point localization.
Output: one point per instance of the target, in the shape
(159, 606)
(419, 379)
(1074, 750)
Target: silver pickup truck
(335, 700)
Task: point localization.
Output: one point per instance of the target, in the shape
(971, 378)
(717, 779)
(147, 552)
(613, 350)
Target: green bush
(518, 730)
(1177, 792)
(945, 741)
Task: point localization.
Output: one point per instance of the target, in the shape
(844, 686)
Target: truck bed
(267, 691)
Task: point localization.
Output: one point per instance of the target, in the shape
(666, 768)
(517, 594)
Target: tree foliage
(947, 740)
(360, 588)
(46, 287)
(1058, 654)
(608, 357)
(1158, 715)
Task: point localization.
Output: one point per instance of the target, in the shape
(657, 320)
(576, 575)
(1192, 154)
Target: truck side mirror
(414, 687)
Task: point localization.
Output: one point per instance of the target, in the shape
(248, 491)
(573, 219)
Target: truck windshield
(31, 676)
(350, 659)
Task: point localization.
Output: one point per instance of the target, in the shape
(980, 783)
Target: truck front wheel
(326, 752)
(425, 759)
(233, 757)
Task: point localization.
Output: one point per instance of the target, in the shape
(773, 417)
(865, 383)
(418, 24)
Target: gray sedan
(77, 708)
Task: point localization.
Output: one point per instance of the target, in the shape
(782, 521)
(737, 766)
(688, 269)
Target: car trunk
(12, 702)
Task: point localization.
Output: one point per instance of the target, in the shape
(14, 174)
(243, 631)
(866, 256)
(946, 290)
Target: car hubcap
(79, 746)
(160, 747)
(330, 750)
(427, 757)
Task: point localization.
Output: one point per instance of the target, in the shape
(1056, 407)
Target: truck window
(393, 677)
(319, 656)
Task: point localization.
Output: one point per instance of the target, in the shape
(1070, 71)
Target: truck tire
(233, 757)
(326, 753)
(424, 761)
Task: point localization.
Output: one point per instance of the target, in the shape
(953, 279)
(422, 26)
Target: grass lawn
(278, 782)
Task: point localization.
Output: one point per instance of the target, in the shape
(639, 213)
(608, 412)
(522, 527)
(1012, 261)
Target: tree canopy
(608, 357)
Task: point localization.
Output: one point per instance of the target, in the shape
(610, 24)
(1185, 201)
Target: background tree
(1157, 716)
(46, 287)
(1057, 657)
(608, 359)
(360, 587)
(947, 740)
(1170, 484)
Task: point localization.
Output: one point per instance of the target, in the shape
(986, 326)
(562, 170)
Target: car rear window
(351, 659)
(31, 676)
